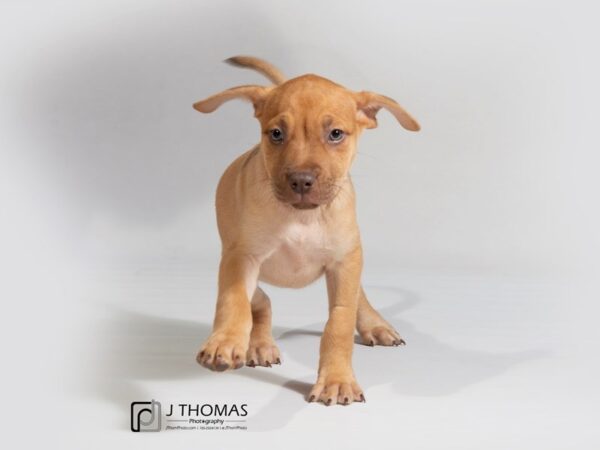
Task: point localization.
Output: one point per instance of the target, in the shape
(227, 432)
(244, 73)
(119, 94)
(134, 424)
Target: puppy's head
(310, 127)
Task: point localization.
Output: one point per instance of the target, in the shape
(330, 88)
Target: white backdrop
(106, 168)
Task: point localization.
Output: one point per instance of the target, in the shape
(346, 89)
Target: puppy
(286, 216)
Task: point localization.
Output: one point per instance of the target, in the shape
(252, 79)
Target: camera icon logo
(145, 416)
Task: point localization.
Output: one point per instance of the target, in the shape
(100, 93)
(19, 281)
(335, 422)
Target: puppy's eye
(336, 135)
(276, 135)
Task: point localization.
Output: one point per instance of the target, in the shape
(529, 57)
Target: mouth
(305, 205)
(302, 201)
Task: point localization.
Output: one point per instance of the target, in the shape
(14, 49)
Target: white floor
(490, 363)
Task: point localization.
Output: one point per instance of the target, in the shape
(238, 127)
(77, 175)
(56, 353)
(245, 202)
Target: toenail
(221, 367)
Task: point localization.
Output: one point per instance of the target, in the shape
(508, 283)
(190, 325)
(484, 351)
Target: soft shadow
(139, 348)
(426, 366)
(114, 109)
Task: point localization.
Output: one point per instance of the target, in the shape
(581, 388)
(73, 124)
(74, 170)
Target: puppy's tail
(263, 67)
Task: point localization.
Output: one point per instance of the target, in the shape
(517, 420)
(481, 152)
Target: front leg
(336, 382)
(227, 345)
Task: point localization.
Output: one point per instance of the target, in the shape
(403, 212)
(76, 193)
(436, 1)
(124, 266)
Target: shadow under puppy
(286, 216)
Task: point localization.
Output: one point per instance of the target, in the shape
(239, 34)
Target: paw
(223, 351)
(262, 353)
(381, 335)
(332, 390)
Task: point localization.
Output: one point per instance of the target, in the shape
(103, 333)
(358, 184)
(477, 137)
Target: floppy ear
(369, 103)
(252, 93)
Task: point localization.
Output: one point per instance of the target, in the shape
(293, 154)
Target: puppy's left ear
(369, 104)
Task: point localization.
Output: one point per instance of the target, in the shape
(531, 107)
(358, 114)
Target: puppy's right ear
(251, 93)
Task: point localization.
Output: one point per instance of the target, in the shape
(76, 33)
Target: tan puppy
(286, 216)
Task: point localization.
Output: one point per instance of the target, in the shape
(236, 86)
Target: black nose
(301, 182)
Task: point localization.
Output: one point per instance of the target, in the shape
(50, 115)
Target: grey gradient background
(484, 224)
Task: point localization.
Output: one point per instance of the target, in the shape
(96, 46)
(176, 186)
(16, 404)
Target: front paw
(223, 351)
(336, 389)
(381, 335)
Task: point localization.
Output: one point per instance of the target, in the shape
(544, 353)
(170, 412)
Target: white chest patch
(306, 237)
(300, 255)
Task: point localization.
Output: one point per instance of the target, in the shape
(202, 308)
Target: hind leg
(262, 350)
(374, 329)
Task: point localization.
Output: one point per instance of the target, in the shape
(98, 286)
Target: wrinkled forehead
(310, 98)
